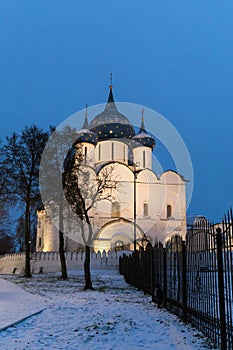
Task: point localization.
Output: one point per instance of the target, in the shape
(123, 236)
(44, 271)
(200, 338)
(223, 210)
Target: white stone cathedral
(146, 206)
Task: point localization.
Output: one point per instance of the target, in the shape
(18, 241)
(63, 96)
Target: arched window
(119, 245)
(112, 151)
(145, 209)
(85, 155)
(169, 211)
(115, 209)
(99, 151)
(144, 159)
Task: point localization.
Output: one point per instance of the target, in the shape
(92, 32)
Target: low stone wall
(50, 261)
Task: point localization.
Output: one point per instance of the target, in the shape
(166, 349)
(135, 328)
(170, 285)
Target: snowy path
(114, 316)
(16, 304)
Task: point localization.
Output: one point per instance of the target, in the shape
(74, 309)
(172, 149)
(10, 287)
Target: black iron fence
(195, 275)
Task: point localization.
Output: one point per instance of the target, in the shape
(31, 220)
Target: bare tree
(19, 236)
(20, 170)
(7, 241)
(83, 189)
(51, 181)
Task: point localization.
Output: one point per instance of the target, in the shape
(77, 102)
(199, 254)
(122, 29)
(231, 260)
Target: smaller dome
(143, 138)
(86, 135)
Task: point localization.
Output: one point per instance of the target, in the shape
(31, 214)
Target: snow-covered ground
(16, 304)
(113, 316)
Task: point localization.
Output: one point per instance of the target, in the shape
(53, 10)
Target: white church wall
(174, 195)
(123, 193)
(142, 157)
(148, 191)
(109, 150)
(176, 198)
(118, 230)
(156, 193)
(88, 153)
(47, 233)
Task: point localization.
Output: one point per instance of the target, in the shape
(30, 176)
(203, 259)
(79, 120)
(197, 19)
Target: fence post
(165, 277)
(120, 265)
(152, 273)
(221, 288)
(184, 289)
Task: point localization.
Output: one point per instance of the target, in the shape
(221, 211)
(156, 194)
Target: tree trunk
(87, 269)
(61, 245)
(27, 242)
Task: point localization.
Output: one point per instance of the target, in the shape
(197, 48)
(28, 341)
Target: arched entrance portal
(116, 235)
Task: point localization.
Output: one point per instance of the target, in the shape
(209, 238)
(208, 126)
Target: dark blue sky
(175, 57)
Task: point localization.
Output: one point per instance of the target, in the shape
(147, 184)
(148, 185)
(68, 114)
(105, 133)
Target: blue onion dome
(143, 138)
(111, 123)
(86, 135)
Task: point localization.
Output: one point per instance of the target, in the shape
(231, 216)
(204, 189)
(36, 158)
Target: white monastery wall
(50, 261)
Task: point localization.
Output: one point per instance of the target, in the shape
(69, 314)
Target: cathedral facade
(146, 206)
